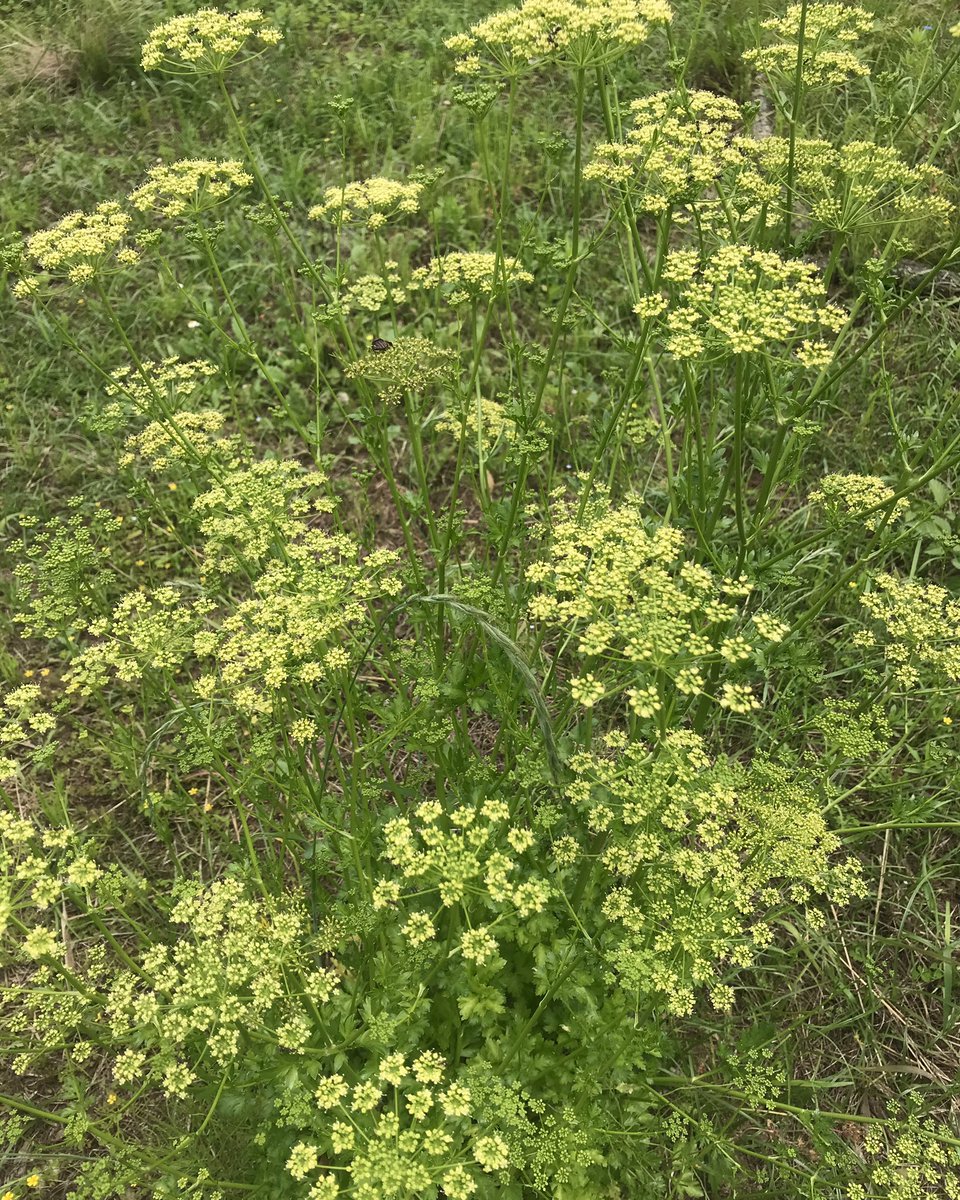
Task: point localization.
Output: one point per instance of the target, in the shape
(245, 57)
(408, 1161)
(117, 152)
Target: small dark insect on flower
(380, 345)
(552, 35)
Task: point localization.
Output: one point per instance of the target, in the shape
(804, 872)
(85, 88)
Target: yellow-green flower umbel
(208, 42)
(579, 32)
(80, 246)
(190, 186)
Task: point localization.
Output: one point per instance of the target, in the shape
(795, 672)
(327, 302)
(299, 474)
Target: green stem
(794, 123)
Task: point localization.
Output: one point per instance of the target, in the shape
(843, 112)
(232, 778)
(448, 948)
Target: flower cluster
(146, 631)
(192, 436)
(375, 201)
(473, 856)
(410, 364)
(373, 293)
(679, 145)
(63, 572)
(253, 507)
(742, 300)
(190, 186)
(847, 498)
(696, 854)
(829, 32)
(858, 734)
(151, 388)
(845, 189)
(468, 275)
(661, 626)
(23, 719)
(483, 423)
(299, 624)
(208, 41)
(580, 32)
(42, 864)
(402, 1129)
(922, 622)
(237, 965)
(80, 247)
(909, 1156)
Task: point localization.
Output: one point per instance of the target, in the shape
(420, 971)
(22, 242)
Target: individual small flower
(428, 1067)
(190, 186)
(342, 1137)
(176, 1081)
(419, 929)
(419, 1103)
(738, 698)
(457, 1184)
(375, 201)
(478, 945)
(644, 701)
(366, 1096)
(330, 1091)
(455, 1101)
(393, 1069)
(492, 1153)
(303, 1159)
(208, 41)
(587, 690)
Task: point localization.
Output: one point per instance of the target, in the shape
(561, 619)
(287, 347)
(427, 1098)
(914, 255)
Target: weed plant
(479, 721)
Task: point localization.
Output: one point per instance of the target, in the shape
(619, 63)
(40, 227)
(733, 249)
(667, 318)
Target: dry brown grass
(28, 61)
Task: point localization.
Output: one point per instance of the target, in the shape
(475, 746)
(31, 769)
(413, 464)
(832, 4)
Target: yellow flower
(33, 1181)
(192, 185)
(208, 42)
(581, 32)
(376, 200)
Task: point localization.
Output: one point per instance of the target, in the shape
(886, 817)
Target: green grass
(844, 1027)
